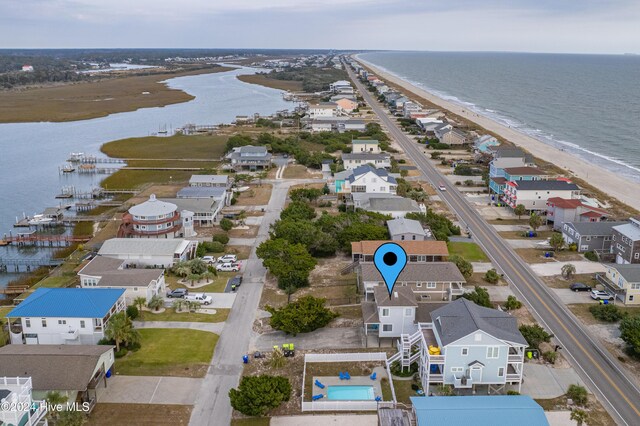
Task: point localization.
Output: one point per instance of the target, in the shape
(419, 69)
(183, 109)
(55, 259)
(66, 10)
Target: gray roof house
(154, 252)
(249, 157)
(407, 229)
(209, 180)
(622, 280)
(625, 244)
(353, 160)
(390, 315)
(389, 204)
(589, 236)
(466, 346)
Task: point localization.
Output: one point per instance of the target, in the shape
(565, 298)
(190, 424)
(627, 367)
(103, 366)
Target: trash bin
(245, 359)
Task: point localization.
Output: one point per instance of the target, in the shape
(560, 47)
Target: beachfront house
(387, 204)
(452, 137)
(484, 142)
(154, 253)
(407, 229)
(534, 194)
(357, 159)
(409, 108)
(75, 371)
(625, 241)
(589, 236)
(417, 251)
(466, 346)
(108, 272)
(64, 316)
(249, 158)
(428, 281)
(622, 280)
(19, 407)
(561, 210)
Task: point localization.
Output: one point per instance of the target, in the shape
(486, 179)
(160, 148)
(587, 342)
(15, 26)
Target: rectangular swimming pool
(350, 393)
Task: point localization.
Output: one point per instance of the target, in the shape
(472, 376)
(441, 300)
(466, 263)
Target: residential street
(595, 365)
(212, 405)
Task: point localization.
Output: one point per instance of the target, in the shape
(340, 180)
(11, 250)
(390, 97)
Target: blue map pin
(390, 259)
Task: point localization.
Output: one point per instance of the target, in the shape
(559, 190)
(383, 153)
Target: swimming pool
(350, 393)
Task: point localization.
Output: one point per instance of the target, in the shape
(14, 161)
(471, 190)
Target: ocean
(588, 105)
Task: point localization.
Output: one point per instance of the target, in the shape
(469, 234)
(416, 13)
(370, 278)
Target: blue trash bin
(245, 359)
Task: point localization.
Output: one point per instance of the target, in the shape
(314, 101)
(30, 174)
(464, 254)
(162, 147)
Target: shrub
(122, 352)
(256, 395)
(465, 267)
(302, 316)
(578, 394)
(512, 392)
(512, 303)
(491, 276)
(215, 247)
(630, 333)
(479, 296)
(396, 369)
(220, 238)
(550, 356)
(606, 313)
(591, 255)
(534, 335)
(226, 224)
(133, 312)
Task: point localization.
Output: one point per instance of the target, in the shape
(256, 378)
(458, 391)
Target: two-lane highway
(596, 366)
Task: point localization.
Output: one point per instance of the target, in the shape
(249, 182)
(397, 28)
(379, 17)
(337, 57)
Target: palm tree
(120, 329)
(519, 210)
(156, 303)
(579, 416)
(208, 276)
(140, 302)
(535, 221)
(54, 398)
(198, 266)
(178, 304)
(182, 269)
(193, 306)
(556, 241)
(568, 270)
(193, 278)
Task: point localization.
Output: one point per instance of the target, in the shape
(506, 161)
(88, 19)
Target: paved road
(212, 406)
(596, 366)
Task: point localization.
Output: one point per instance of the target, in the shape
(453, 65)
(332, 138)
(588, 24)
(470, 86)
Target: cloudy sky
(596, 26)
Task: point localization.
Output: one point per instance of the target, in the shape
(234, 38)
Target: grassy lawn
(470, 251)
(81, 101)
(251, 421)
(105, 414)
(132, 179)
(170, 352)
(4, 311)
(542, 235)
(403, 390)
(263, 80)
(255, 196)
(171, 315)
(217, 286)
(171, 147)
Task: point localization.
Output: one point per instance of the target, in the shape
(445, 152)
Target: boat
(68, 169)
(40, 219)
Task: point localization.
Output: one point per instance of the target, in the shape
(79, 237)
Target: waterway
(31, 153)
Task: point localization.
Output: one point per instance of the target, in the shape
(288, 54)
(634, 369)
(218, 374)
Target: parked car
(199, 297)
(228, 258)
(579, 287)
(178, 293)
(209, 259)
(228, 267)
(441, 187)
(237, 281)
(600, 295)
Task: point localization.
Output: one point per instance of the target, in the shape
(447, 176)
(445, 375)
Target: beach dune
(621, 188)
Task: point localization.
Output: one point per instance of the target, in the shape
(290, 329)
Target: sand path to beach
(606, 181)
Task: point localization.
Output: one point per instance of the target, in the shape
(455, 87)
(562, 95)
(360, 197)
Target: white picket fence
(364, 356)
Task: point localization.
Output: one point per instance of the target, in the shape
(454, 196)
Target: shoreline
(600, 178)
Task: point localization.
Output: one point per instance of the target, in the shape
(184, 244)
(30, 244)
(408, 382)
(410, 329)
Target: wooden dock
(26, 265)
(43, 240)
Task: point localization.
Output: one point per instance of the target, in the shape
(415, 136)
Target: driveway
(569, 297)
(527, 243)
(543, 381)
(499, 293)
(555, 268)
(222, 300)
(149, 390)
(481, 266)
(325, 338)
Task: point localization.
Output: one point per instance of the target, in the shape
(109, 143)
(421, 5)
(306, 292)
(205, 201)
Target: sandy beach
(606, 181)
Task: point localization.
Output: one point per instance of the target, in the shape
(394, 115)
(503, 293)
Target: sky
(575, 26)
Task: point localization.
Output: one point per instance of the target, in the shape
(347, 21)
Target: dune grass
(170, 147)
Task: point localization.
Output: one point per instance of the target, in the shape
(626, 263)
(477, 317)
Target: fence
(341, 301)
(327, 405)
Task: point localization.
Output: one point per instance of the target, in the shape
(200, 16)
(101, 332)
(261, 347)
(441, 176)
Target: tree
(535, 221)
(534, 335)
(221, 238)
(578, 394)
(465, 267)
(305, 194)
(302, 316)
(286, 260)
(606, 313)
(133, 312)
(256, 395)
(519, 210)
(630, 333)
(491, 276)
(178, 304)
(298, 210)
(325, 189)
(226, 224)
(556, 241)
(512, 303)
(198, 266)
(54, 398)
(579, 416)
(568, 269)
(140, 302)
(192, 278)
(479, 296)
(181, 269)
(71, 418)
(156, 302)
(120, 329)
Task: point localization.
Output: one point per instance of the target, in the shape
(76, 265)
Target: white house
(407, 229)
(370, 179)
(206, 211)
(155, 253)
(107, 272)
(323, 109)
(354, 160)
(390, 315)
(18, 405)
(155, 218)
(221, 181)
(369, 146)
(534, 194)
(65, 316)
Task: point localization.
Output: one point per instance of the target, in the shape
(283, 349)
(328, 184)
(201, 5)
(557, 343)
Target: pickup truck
(199, 297)
(600, 295)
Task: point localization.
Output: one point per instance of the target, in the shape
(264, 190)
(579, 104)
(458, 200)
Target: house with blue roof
(65, 316)
(478, 410)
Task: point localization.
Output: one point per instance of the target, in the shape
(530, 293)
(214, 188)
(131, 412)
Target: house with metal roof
(205, 212)
(108, 272)
(466, 346)
(75, 371)
(65, 316)
(478, 410)
(402, 229)
(149, 252)
(221, 181)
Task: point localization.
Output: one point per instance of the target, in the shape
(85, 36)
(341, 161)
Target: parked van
(199, 297)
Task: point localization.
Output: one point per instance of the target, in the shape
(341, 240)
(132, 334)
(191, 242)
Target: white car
(199, 297)
(441, 187)
(228, 267)
(209, 259)
(228, 258)
(600, 295)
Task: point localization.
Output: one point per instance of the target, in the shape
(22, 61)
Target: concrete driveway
(555, 268)
(325, 338)
(569, 297)
(481, 266)
(527, 243)
(222, 300)
(499, 293)
(150, 390)
(543, 381)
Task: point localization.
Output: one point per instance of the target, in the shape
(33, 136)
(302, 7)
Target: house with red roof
(564, 210)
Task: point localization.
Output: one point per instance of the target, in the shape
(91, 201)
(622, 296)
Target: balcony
(462, 382)
(436, 378)
(513, 377)
(515, 358)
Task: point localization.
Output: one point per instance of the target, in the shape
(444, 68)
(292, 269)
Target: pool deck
(355, 381)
